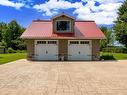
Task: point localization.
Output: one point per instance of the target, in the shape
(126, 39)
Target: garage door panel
(79, 51)
(47, 51)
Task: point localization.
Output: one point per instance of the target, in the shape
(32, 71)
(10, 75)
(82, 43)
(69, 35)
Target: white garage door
(79, 50)
(46, 50)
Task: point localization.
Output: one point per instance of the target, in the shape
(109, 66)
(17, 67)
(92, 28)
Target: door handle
(46, 52)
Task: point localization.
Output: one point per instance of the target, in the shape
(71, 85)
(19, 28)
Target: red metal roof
(44, 29)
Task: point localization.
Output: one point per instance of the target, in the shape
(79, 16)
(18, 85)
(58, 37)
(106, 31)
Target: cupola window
(63, 26)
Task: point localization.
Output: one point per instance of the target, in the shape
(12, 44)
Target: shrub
(20, 51)
(115, 49)
(125, 50)
(107, 57)
(10, 50)
(2, 49)
(18, 45)
(3, 44)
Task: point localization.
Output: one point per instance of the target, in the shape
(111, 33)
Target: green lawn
(4, 58)
(114, 56)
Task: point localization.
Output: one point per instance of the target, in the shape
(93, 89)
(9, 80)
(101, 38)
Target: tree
(11, 35)
(2, 26)
(120, 26)
(109, 37)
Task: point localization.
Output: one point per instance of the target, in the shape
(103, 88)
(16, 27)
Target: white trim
(63, 14)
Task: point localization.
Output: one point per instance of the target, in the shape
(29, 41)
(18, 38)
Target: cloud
(105, 13)
(11, 4)
(109, 6)
(51, 7)
(100, 17)
(27, 3)
(104, 1)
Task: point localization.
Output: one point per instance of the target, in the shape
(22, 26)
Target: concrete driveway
(63, 78)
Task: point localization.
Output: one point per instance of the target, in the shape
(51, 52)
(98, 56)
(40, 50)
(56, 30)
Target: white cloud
(100, 17)
(105, 13)
(27, 3)
(111, 1)
(55, 5)
(104, 1)
(109, 7)
(11, 4)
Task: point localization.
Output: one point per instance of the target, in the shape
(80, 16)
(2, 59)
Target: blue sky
(24, 11)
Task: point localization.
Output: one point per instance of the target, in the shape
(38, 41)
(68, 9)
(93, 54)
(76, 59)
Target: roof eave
(92, 38)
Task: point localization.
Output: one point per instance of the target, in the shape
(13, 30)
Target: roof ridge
(38, 20)
(67, 15)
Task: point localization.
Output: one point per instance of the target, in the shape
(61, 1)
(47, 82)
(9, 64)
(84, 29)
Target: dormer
(63, 24)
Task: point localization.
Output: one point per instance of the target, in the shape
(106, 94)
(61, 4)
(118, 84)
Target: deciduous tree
(120, 26)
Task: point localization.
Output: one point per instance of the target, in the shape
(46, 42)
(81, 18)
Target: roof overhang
(73, 38)
(62, 14)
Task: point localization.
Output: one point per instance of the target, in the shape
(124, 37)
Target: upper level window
(63, 26)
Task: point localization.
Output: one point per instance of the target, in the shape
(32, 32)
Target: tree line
(10, 35)
(119, 30)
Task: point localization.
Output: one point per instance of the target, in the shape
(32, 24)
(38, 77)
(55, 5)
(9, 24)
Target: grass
(5, 58)
(113, 56)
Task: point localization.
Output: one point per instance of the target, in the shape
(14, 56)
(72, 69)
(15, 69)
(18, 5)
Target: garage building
(63, 38)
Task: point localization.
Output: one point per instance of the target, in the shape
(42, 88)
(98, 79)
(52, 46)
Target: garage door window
(84, 42)
(52, 42)
(74, 42)
(41, 42)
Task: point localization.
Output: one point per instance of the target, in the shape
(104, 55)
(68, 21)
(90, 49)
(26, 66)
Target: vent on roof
(38, 20)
